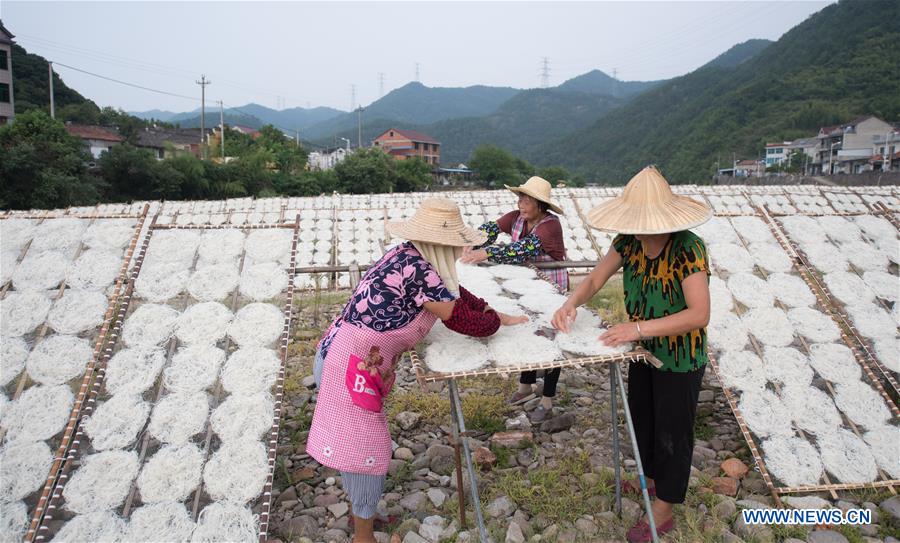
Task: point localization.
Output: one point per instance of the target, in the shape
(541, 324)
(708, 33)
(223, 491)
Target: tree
(366, 171)
(495, 166)
(412, 175)
(556, 174)
(289, 157)
(42, 166)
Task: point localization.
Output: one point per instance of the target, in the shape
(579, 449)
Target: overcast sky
(289, 54)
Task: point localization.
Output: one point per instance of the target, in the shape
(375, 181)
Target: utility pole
(52, 102)
(417, 72)
(297, 132)
(545, 73)
(380, 84)
(615, 81)
(352, 97)
(203, 83)
(359, 127)
(222, 124)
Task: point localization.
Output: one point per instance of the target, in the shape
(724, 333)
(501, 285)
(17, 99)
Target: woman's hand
(564, 317)
(512, 320)
(619, 334)
(473, 256)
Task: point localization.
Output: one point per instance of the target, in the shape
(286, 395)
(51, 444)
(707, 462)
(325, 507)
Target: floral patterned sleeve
(520, 251)
(492, 229)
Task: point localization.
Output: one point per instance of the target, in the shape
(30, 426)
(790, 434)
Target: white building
(326, 160)
(7, 101)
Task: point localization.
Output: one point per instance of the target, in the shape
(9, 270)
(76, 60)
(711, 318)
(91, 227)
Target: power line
(194, 98)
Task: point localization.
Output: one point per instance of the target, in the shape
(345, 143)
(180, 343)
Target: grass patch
(282, 477)
(609, 302)
(782, 532)
(851, 533)
(484, 411)
(702, 429)
(548, 490)
(401, 475)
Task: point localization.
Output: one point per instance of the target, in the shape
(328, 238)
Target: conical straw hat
(439, 221)
(539, 189)
(647, 206)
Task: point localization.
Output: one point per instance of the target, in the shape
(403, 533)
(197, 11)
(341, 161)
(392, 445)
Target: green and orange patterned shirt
(653, 289)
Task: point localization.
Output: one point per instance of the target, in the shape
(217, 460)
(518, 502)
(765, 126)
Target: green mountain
(839, 63)
(597, 82)
(31, 87)
(522, 124)
(415, 103)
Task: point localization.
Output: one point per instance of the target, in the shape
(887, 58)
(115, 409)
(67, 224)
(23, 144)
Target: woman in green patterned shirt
(666, 283)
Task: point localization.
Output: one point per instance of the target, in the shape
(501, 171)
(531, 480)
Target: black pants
(663, 405)
(551, 377)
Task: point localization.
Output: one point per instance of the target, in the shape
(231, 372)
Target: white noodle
(116, 422)
(100, 527)
(213, 282)
(77, 311)
(770, 326)
(847, 457)
(226, 522)
(13, 354)
(256, 324)
(834, 363)
(794, 461)
(101, 482)
(811, 409)
(149, 325)
(40, 270)
(39, 413)
(237, 472)
(203, 324)
(171, 474)
(95, 269)
(58, 359)
(883, 442)
(160, 522)
(750, 290)
(243, 417)
(194, 368)
(251, 370)
(765, 413)
(862, 404)
(23, 469)
(178, 417)
(814, 325)
(263, 281)
(787, 366)
(134, 370)
(791, 290)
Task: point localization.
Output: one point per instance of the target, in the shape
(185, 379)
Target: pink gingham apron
(559, 276)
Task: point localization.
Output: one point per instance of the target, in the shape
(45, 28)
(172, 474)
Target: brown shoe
(520, 397)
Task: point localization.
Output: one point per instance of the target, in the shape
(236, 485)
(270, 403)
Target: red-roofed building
(403, 144)
(96, 139)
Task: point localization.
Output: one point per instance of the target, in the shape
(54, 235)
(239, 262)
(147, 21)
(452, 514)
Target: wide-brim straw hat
(439, 221)
(539, 189)
(648, 206)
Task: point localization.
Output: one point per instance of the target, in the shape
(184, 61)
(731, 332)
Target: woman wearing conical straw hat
(666, 287)
(536, 237)
(394, 306)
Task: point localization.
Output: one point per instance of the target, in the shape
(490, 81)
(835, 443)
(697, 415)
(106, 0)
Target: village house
(403, 144)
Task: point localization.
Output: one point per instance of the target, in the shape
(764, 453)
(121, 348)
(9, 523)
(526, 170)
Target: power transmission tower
(545, 73)
(380, 84)
(352, 97)
(417, 73)
(359, 111)
(203, 83)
